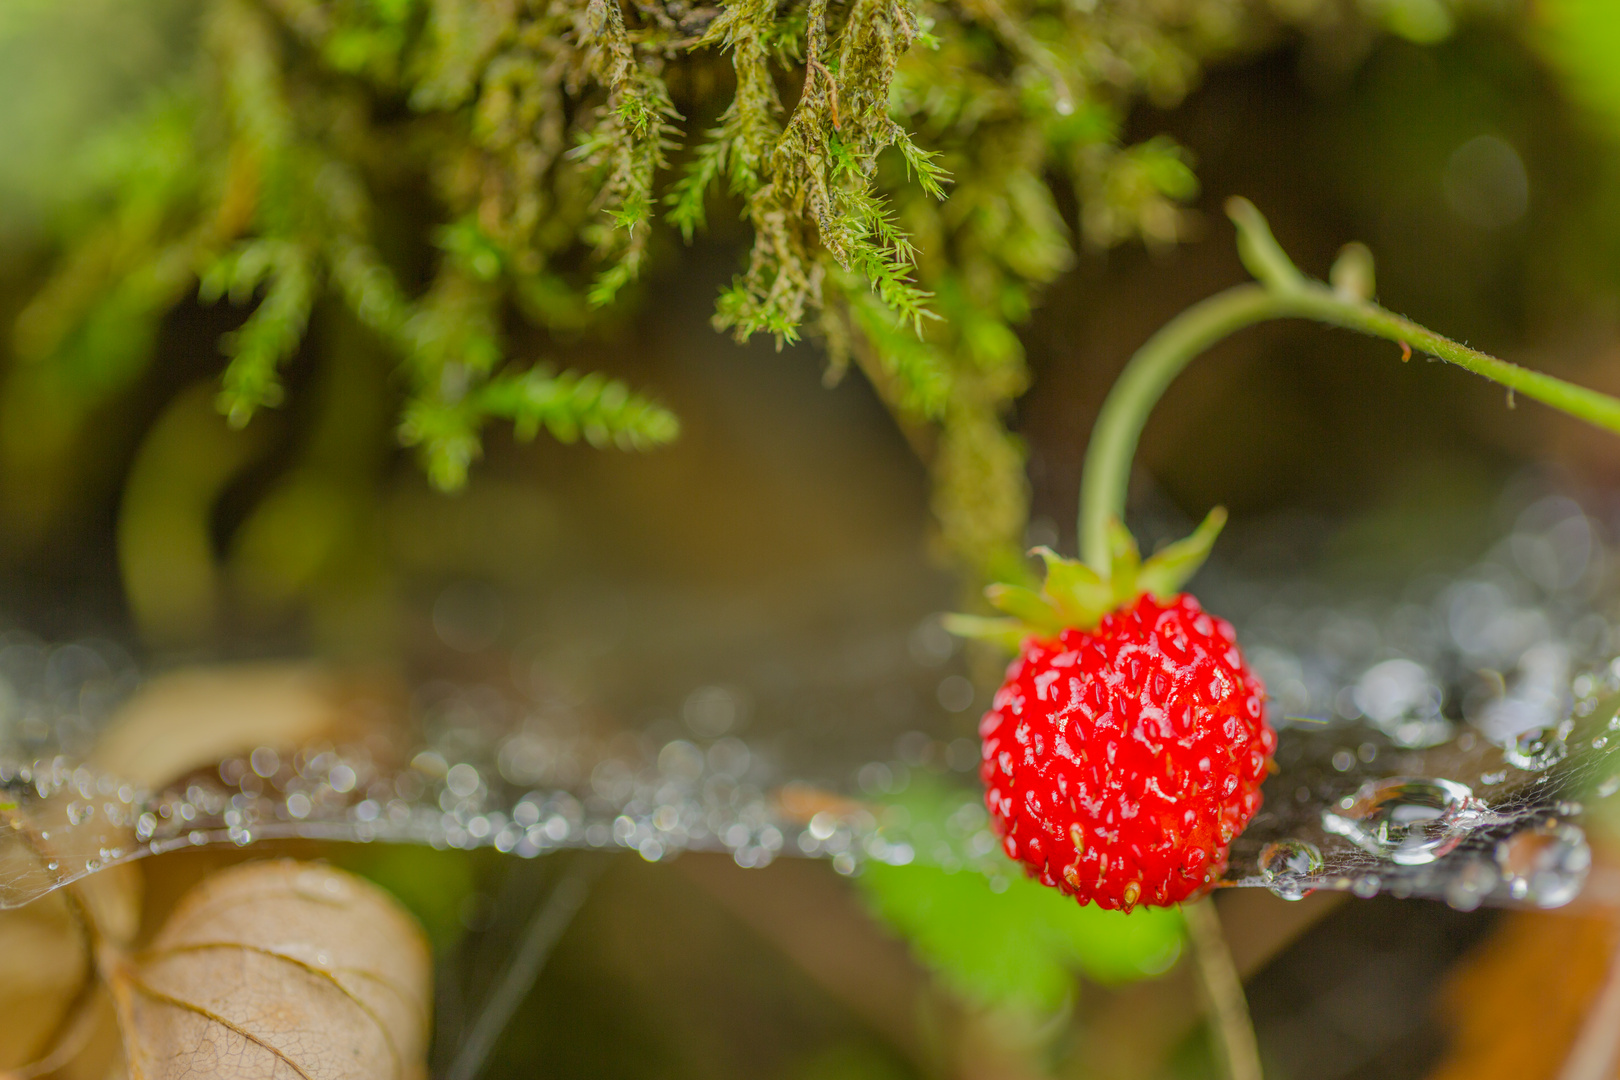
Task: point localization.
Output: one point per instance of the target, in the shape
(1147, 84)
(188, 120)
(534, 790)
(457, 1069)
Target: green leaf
(1424, 22)
(1020, 946)
(1173, 566)
(993, 935)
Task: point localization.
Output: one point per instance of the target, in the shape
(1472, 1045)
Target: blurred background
(794, 533)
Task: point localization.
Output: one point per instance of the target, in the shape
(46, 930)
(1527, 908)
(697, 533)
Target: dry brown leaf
(1517, 1007)
(51, 1007)
(196, 717)
(279, 970)
(47, 1002)
(44, 962)
(175, 724)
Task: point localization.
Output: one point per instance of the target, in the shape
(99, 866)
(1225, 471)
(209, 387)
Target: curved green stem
(1283, 293)
(1138, 388)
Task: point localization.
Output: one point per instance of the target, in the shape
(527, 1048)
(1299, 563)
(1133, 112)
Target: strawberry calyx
(1076, 596)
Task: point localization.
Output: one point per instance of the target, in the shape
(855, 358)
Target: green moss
(895, 161)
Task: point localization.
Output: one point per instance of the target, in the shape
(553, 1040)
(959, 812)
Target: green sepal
(1076, 592)
(1125, 563)
(1075, 595)
(1172, 566)
(1026, 605)
(1008, 633)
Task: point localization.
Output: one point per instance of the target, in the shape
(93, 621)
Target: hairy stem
(1228, 1011)
(1282, 293)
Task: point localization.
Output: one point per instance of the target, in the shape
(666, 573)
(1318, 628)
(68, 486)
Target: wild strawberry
(1126, 747)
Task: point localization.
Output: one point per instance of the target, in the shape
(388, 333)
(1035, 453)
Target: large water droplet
(1287, 866)
(1546, 863)
(1537, 751)
(1408, 820)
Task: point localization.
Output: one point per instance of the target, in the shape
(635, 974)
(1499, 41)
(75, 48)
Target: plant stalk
(1281, 293)
(1228, 1011)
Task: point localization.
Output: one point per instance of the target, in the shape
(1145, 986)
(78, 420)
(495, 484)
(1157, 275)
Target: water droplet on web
(1287, 866)
(1545, 863)
(1507, 677)
(1537, 751)
(1408, 820)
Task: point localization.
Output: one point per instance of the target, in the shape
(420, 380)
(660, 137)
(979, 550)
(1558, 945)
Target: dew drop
(1408, 820)
(1286, 866)
(462, 780)
(265, 762)
(1366, 886)
(78, 812)
(342, 778)
(1471, 882)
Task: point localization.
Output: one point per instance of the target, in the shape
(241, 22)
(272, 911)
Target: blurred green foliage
(1009, 941)
(1581, 38)
(434, 885)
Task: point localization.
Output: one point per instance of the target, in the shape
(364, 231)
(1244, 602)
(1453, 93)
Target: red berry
(1119, 763)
